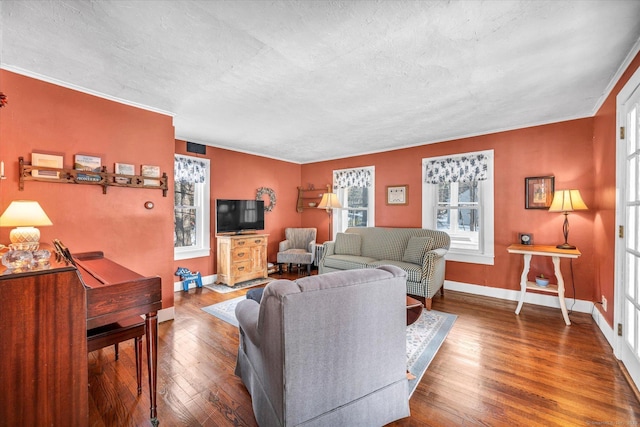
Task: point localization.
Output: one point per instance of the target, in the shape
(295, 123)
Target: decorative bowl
(312, 204)
(542, 281)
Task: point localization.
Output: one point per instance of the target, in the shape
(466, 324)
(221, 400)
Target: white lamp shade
(24, 215)
(567, 201)
(329, 201)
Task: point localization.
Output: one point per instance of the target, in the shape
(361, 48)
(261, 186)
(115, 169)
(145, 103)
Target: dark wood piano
(44, 317)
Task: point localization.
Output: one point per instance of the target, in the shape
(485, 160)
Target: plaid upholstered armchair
(298, 248)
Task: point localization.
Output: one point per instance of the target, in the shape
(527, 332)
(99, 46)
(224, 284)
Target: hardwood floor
(494, 369)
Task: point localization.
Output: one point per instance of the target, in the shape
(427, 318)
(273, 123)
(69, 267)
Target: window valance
(456, 169)
(362, 177)
(189, 169)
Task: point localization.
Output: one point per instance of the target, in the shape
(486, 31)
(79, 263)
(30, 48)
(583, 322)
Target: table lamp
(329, 202)
(566, 201)
(24, 215)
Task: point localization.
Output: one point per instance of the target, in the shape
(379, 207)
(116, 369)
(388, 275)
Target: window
(457, 198)
(356, 192)
(191, 207)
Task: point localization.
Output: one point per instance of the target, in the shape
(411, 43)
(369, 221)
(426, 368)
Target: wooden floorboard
(494, 369)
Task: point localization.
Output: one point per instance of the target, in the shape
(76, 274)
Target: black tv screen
(236, 216)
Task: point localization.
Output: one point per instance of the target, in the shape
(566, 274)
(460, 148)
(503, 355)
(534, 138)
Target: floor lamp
(330, 202)
(566, 201)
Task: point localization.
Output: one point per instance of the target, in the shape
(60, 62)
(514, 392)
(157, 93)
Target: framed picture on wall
(538, 192)
(397, 194)
(46, 160)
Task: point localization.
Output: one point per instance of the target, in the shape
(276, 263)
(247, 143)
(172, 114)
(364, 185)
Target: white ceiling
(313, 80)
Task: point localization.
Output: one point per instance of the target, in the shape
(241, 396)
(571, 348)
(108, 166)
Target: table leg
(563, 306)
(151, 323)
(523, 281)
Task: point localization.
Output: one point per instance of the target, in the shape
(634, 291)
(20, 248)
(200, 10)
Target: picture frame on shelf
(538, 192)
(151, 172)
(87, 163)
(397, 194)
(49, 161)
(123, 169)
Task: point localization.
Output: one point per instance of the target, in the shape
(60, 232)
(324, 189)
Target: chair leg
(280, 269)
(116, 348)
(138, 347)
(308, 269)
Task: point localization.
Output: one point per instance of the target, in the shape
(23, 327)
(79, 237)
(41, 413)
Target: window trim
(339, 217)
(486, 254)
(202, 200)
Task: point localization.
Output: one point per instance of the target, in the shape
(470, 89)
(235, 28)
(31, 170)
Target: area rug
(224, 289)
(424, 337)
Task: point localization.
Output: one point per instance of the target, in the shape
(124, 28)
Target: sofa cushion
(416, 248)
(414, 271)
(347, 244)
(347, 262)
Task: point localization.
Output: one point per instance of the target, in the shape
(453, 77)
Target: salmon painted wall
(46, 118)
(604, 157)
(561, 149)
(236, 175)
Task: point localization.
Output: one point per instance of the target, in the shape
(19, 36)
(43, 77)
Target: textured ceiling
(312, 80)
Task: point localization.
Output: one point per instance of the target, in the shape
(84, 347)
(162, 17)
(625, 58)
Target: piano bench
(114, 333)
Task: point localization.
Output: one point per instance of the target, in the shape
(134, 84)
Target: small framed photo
(88, 164)
(46, 160)
(538, 192)
(151, 172)
(397, 194)
(124, 169)
(525, 238)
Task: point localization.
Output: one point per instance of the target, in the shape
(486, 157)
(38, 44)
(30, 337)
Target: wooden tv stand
(241, 257)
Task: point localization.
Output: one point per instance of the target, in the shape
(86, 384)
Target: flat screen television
(237, 216)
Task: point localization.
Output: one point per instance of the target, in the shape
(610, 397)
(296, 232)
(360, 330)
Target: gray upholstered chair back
(300, 238)
(327, 350)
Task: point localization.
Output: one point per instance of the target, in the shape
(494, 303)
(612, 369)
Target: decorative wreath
(272, 197)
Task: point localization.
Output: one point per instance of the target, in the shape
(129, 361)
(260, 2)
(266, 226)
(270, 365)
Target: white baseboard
(166, 314)
(537, 299)
(206, 280)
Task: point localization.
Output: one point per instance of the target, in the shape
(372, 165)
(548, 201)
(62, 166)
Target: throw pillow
(347, 244)
(416, 248)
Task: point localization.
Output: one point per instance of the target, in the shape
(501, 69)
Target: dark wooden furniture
(414, 310)
(44, 318)
(115, 333)
(43, 350)
(115, 293)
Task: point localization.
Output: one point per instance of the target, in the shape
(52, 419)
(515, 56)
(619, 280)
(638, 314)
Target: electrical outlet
(604, 303)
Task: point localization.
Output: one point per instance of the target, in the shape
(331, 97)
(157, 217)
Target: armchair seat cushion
(349, 262)
(295, 256)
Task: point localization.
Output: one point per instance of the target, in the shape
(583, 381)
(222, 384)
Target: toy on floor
(189, 278)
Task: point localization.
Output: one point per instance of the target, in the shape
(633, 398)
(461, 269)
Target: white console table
(550, 251)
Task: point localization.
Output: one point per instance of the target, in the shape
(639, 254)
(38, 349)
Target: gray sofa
(419, 252)
(327, 350)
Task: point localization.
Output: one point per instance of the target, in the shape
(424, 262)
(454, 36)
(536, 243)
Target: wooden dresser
(241, 257)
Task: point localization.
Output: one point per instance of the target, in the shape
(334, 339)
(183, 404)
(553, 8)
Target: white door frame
(627, 91)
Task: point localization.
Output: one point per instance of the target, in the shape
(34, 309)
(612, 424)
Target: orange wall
(604, 157)
(535, 151)
(46, 118)
(237, 175)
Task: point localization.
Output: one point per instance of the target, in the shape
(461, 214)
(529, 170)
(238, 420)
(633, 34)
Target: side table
(549, 251)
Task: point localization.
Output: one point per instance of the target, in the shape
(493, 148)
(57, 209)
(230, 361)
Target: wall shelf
(104, 179)
(310, 195)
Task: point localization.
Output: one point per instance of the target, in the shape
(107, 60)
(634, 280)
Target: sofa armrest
(431, 262)
(328, 248)
(284, 245)
(247, 312)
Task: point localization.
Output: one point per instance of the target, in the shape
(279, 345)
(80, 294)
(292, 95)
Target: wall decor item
(538, 192)
(151, 172)
(272, 197)
(124, 169)
(88, 164)
(397, 194)
(525, 238)
(46, 160)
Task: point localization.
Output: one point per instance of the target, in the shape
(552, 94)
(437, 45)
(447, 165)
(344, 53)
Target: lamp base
(24, 235)
(565, 246)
